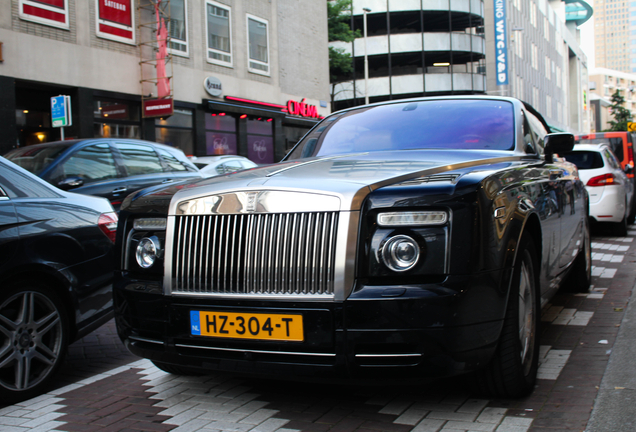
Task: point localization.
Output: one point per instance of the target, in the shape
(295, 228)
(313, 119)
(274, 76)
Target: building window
(219, 30)
(116, 21)
(178, 28)
(116, 119)
(221, 133)
(48, 12)
(258, 45)
(176, 130)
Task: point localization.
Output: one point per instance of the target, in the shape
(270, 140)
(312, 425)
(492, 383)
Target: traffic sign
(61, 111)
(631, 126)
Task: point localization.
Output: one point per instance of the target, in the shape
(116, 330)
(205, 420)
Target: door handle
(120, 190)
(167, 181)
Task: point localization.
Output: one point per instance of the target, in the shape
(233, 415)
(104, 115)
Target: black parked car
(404, 238)
(107, 167)
(56, 268)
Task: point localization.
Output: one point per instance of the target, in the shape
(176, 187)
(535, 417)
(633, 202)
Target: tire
(513, 370)
(177, 370)
(580, 277)
(632, 213)
(620, 228)
(34, 335)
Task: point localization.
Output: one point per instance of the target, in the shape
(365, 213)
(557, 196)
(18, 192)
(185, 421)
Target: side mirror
(557, 143)
(70, 183)
(629, 168)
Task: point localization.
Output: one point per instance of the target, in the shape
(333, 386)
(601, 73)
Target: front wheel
(513, 369)
(33, 340)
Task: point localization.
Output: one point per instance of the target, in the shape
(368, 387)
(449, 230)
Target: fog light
(400, 253)
(147, 251)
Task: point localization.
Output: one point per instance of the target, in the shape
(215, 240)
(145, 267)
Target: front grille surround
(248, 255)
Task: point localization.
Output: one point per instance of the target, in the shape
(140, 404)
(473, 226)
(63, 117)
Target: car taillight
(602, 180)
(630, 154)
(108, 224)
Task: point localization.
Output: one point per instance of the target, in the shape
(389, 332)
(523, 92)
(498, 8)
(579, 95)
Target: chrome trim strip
(4, 198)
(142, 339)
(259, 296)
(256, 351)
(386, 355)
(345, 254)
(167, 263)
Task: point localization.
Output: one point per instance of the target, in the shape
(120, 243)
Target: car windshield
(432, 124)
(35, 159)
(585, 160)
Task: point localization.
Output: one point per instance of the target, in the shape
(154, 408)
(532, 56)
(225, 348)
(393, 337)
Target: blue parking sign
(60, 111)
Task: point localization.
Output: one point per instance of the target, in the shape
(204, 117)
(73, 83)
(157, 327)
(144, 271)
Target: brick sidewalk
(114, 391)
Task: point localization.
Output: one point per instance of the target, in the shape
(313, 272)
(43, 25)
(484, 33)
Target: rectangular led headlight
(417, 218)
(150, 224)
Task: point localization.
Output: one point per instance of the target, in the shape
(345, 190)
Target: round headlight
(400, 253)
(147, 251)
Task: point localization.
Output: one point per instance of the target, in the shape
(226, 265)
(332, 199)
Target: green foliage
(338, 19)
(621, 114)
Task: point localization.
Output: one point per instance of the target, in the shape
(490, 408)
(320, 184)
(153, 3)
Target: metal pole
(62, 133)
(366, 60)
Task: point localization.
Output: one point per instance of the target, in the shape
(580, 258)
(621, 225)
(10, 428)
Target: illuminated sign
(293, 107)
(48, 12)
(501, 43)
(116, 20)
(302, 109)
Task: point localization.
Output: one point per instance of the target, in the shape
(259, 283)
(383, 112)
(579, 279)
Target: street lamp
(366, 60)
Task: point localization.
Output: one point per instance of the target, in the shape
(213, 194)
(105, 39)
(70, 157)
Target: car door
(142, 165)
(9, 235)
(95, 165)
(179, 170)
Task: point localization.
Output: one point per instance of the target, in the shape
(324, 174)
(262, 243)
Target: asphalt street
(587, 382)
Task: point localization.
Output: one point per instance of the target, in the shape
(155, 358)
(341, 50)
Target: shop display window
(116, 119)
(260, 140)
(176, 130)
(220, 122)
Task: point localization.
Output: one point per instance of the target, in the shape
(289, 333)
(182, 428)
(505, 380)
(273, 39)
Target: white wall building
(259, 57)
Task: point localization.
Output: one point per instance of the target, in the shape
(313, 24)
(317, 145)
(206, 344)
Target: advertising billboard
(501, 42)
(116, 20)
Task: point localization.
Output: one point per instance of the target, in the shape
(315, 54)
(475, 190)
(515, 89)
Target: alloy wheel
(31, 340)
(527, 318)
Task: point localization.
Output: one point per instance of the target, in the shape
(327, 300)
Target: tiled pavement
(104, 388)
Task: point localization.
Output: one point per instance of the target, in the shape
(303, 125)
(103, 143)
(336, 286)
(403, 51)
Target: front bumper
(427, 330)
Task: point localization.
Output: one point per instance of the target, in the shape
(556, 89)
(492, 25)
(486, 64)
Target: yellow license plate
(285, 327)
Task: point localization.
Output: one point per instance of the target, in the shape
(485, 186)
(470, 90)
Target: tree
(621, 114)
(340, 62)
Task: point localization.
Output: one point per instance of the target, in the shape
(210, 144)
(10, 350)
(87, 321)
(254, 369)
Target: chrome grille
(252, 254)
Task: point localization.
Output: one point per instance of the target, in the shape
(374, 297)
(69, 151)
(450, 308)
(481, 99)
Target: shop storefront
(261, 131)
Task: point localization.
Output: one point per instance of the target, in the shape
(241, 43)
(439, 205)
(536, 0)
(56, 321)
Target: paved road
(102, 387)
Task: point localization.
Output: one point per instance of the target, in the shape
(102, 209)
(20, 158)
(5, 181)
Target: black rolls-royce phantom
(416, 238)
